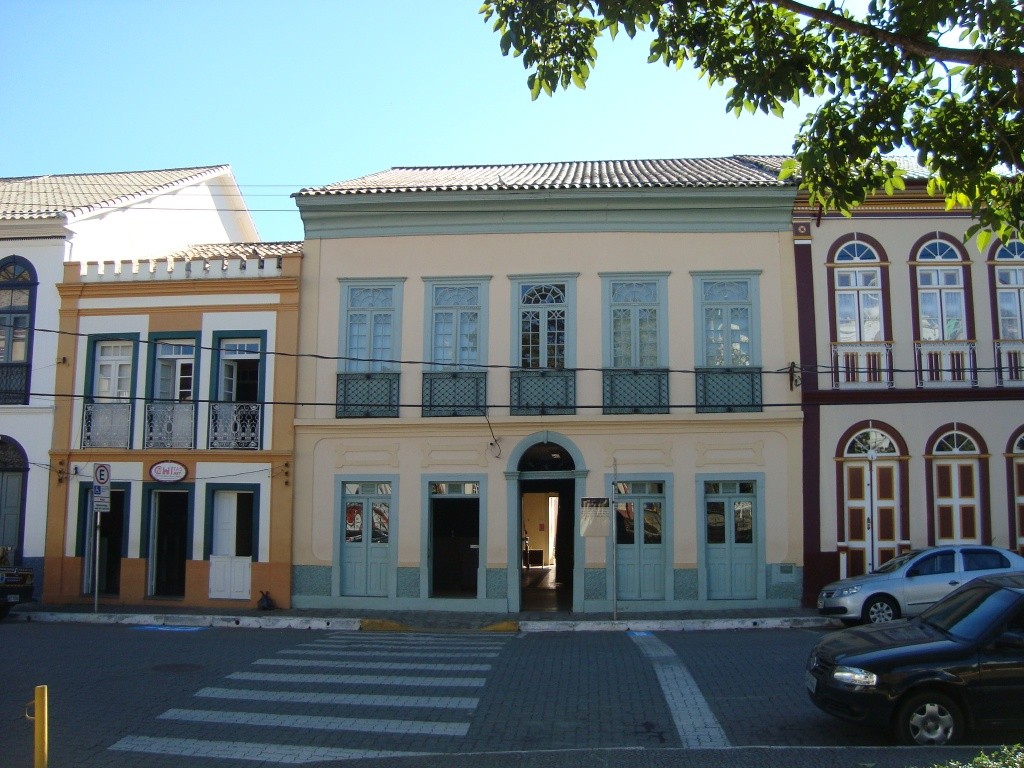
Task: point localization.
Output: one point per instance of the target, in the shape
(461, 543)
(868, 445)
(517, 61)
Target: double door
(730, 525)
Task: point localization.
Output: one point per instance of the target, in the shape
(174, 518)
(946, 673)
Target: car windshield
(970, 612)
(891, 565)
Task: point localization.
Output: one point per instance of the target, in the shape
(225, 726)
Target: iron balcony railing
(946, 363)
(728, 390)
(107, 425)
(367, 395)
(236, 426)
(1010, 362)
(542, 392)
(454, 393)
(170, 425)
(858, 364)
(635, 390)
(14, 383)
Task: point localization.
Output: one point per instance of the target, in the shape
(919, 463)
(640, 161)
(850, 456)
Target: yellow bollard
(40, 716)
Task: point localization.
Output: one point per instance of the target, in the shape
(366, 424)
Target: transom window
(1009, 279)
(635, 320)
(727, 307)
(456, 318)
(940, 294)
(542, 325)
(370, 321)
(858, 294)
(455, 489)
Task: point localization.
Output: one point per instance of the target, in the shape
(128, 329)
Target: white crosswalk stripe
(354, 699)
(326, 687)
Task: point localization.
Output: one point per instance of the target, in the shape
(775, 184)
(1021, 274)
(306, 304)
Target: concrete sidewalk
(428, 621)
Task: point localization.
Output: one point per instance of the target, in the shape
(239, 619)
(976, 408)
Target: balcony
(454, 393)
(367, 395)
(107, 425)
(946, 364)
(236, 426)
(170, 425)
(543, 392)
(728, 390)
(1010, 362)
(635, 390)
(14, 383)
(861, 364)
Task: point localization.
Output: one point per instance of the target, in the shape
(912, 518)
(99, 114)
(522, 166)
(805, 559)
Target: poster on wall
(595, 516)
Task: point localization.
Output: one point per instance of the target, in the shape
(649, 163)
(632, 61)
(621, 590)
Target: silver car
(909, 583)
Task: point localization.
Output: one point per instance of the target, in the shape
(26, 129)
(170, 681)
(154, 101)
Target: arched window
(17, 307)
(871, 527)
(1015, 462)
(861, 350)
(1008, 279)
(13, 477)
(943, 329)
(956, 488)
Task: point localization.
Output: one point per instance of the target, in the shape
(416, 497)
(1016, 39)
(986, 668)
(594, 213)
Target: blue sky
(308, 92)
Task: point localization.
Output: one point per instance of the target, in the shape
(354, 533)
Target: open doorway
(548, 523)
(111, 543)
(168, 543)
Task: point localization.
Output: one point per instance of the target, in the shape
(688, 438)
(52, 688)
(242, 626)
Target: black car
(959, 664)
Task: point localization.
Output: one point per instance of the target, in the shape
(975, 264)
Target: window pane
(625, 524)
(716, 522)
(381, 522)
(743, 522)
(652, 522)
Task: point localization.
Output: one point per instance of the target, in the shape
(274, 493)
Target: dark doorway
(455, 547)
(112, 545)
(169, 543)
(546, 581)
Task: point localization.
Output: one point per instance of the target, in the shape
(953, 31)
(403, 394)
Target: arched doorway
(13, 479)
(547, 522)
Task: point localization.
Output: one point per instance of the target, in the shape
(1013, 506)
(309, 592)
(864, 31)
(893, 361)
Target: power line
(469, 367)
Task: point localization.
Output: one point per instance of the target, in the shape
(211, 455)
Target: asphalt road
(147, 696)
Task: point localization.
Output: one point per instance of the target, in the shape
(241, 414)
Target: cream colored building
(486, 352)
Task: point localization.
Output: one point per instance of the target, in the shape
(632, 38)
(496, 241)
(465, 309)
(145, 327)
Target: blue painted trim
(426, 561)
(483, 284)
(397, 284)
(725, 209)
(760, 525)
(661, 281)
(394, 525)
(668, 522)
(571, 309)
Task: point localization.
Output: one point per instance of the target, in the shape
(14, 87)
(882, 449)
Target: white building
(46, 221)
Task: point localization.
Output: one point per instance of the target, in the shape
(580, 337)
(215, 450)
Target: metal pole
(613, 533)
(96, 557)
(42, 730)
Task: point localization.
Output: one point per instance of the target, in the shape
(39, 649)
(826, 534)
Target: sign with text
(595, 516)
(101, 488)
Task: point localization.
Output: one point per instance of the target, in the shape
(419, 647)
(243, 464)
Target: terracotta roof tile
(236, 250)
(44, 197)
(735, 171)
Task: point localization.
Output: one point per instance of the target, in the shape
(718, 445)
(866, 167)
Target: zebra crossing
(334, 699)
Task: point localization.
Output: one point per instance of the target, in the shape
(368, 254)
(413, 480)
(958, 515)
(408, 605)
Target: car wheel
(880, 609)
(929, 718)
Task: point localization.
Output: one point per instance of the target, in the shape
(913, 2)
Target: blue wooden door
(730, 553)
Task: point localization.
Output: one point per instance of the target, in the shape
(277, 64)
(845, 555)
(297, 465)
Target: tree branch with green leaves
(943, 79)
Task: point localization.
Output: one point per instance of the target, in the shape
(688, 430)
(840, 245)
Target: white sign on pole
(595, 516)
(101, 488)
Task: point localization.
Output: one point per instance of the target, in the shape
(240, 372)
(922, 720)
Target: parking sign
(101, 488)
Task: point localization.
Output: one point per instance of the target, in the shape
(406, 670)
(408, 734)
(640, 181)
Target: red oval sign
(168, 471)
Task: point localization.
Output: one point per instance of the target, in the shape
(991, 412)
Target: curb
(387, 625)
